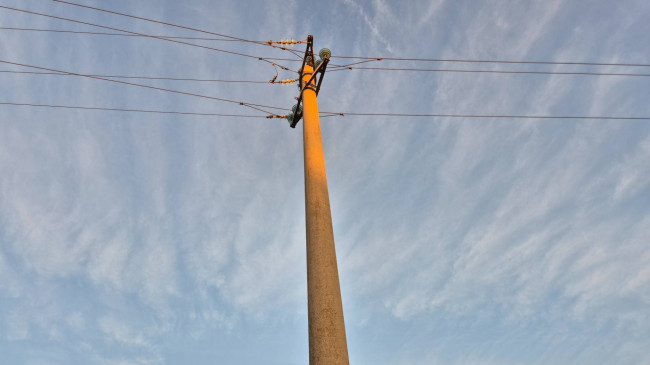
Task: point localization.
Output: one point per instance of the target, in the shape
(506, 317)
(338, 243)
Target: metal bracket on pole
(322, 68)
(309, 50)
(319, 71)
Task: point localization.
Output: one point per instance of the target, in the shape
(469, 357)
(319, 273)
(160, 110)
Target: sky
(172, 239)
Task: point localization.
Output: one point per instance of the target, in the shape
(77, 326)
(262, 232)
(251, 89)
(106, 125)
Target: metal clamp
(319, 71)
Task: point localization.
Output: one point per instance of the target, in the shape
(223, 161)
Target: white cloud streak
(120, 234)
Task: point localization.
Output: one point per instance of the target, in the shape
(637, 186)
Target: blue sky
(158, 239)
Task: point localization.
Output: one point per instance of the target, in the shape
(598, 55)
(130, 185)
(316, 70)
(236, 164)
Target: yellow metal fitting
(287, 41)
(288, 81)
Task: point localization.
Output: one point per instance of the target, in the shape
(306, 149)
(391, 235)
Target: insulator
(296, 109)
(325, 53)
(289, 118)
(317, 64)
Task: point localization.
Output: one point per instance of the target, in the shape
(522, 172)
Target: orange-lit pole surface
(327, 342)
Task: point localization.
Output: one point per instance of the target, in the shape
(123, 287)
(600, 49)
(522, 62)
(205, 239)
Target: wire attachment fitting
(276, 116)
(283, 82)
(285, 42)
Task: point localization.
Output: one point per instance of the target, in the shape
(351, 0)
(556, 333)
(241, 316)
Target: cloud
(121, 332)
(376, 22)
(459, 240)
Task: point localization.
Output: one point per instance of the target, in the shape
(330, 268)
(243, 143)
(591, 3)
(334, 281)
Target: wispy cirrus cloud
(131, 239)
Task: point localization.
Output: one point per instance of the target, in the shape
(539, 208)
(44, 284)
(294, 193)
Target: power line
(330, 114)
(112, 34)
(172, 25)
(61, 31)
(495, 61)
(143, 86)
(488, 116)
(365, 59)
(145, 35)
(258, 109)
(362, 57)
(132, 110)
(140, 77)
(161, 22)
(356, 57)
(351, 64)
(491, 71)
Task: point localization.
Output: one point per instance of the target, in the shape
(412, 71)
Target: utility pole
(327, 341)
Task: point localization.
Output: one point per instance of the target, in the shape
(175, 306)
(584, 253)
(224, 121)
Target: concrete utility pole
(327, 341)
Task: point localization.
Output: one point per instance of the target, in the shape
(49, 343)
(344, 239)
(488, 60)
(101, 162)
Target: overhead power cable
(145, 35)
(364, 59)
(495, 61)
(270, 44)
(492, 71)
(322, 116)
(114, 34)
(61, 31)
(489, 116)
(160, 22)
(153, 77)
(133, 110)
(144, 86)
